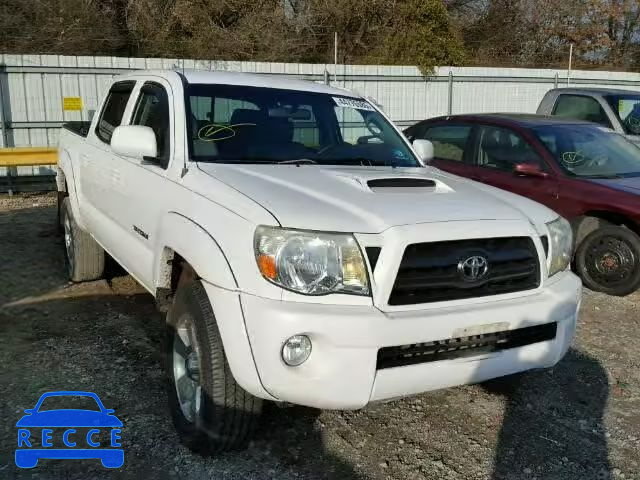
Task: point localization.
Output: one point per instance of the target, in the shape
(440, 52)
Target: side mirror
(109, 411)
(28, 411)
(529, 170)
(424, 148)
(134, 141)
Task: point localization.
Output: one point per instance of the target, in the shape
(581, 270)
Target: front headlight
(312, 263)
(560, 245)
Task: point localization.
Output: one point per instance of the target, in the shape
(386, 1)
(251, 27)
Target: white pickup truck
(302, 251)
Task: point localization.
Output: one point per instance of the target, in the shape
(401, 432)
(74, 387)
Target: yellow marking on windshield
(212, 132)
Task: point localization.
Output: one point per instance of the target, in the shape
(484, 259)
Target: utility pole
(570, 60)
(335, 57)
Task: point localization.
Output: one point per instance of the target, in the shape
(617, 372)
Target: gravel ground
(580, 420)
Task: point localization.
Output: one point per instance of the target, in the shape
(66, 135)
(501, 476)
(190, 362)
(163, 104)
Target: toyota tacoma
(302, 251)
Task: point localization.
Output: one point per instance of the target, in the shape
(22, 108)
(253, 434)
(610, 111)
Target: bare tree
(60, 26)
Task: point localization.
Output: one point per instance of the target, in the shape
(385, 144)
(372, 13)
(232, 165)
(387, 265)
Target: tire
(214, 414)
(60, 200)
(83, 255)
(608, 260)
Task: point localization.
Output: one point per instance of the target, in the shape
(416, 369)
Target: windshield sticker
(399, 155)
(215, 132)
(356, 103)
(571, 159)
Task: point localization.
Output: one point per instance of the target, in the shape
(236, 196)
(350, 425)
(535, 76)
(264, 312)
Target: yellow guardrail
(28, 156)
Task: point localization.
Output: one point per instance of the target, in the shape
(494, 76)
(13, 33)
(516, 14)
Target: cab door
(496, 153)
(100, 169)
(146, 186)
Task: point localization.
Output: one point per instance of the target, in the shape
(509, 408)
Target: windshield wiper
(239, 161)
(298, 161)
(603, 176)
(350, 161)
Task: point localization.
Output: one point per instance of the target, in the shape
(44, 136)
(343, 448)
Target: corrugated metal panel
(34, 93)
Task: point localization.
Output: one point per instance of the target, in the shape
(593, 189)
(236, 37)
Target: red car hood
(629, 184)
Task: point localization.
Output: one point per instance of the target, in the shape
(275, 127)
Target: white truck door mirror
(134, 141)
(424, 148)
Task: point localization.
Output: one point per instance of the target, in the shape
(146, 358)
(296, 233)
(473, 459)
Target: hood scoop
(406, 184)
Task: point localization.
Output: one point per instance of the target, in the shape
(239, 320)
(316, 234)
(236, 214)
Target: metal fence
(32, 89)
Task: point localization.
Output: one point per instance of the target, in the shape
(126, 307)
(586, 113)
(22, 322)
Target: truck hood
(633, 139)
(630, 184)
(368, 199)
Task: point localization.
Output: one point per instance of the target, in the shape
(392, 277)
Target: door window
(449, 141)
(580, 107)
(152, 110)
(503, 149)
(114, 106)
(627, 108)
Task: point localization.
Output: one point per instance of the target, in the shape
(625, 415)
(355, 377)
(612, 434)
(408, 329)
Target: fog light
(296, 350)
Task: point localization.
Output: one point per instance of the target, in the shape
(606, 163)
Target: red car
(587, 173)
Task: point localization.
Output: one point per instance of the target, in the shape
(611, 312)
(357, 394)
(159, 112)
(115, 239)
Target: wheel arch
(182, 242)
(66, 185)
(194, 248)
(594, 219)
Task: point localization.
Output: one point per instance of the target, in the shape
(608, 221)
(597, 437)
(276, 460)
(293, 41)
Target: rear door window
(581, 107)
(449, 141)
(114, 107)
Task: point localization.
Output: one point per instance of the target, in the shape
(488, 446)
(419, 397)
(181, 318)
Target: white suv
(303, 252)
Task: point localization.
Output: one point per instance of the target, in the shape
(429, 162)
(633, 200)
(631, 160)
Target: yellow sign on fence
(72, 103)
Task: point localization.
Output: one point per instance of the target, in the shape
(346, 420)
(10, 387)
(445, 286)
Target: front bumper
(341, 370)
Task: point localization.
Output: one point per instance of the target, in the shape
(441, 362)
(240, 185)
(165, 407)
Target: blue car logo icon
(34, 443)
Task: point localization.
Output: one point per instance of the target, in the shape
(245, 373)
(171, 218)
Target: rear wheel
(210, 410)
(608, 260)
(84, 256)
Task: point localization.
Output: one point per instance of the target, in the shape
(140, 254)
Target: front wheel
(210, 410)
(608, 260)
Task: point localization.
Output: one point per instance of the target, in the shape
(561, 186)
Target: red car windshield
(590, 151)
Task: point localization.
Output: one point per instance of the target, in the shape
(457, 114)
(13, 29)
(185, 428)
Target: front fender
(195, 245)
(179, 234)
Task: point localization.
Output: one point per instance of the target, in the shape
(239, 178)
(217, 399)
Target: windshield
(627, 108)
(591, 151)
(240, 124)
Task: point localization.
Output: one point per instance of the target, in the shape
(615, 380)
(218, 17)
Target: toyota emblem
(474, 268)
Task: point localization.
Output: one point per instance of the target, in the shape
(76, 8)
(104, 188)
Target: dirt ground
(580, 420)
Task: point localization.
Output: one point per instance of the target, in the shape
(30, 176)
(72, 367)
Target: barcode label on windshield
(353, 103)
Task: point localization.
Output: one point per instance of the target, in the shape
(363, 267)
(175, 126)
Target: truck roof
(266, 80)
(595, 90)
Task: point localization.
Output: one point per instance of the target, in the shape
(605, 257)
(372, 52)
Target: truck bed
(79, 128)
